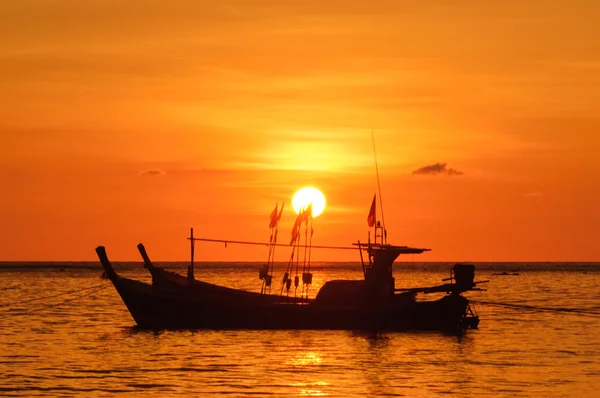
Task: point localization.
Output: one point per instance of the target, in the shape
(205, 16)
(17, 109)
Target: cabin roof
(391, 248)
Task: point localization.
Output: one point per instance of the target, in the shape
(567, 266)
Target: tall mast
(191, 267)
(384, 237)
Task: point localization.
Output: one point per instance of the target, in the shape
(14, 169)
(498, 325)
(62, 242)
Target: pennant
(280, 212)
(294, 236)
(296, 227)
(308, 212)
(372, 213)
(273, 217)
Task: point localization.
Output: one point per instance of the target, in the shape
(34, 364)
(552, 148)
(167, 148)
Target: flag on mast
(296, 227)
(280, 212)
(372, 213)
(308, 212)
(273, 217)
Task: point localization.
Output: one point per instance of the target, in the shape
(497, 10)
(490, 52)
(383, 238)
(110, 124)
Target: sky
(127, 122)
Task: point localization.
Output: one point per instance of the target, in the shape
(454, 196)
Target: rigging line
(297, 264)
(61, 303)
(312, 231)
(272, 255)
(276, 244)
(379, 189)
(533, 308)
(298, 254)
(269, 266)
(288, 270)
(305, 245)
(53, 295)
(272, 249)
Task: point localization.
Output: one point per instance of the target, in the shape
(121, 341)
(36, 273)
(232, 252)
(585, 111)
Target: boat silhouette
(174, 301)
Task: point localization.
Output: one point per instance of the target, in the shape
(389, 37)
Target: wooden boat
(175, 301)
(374, 303)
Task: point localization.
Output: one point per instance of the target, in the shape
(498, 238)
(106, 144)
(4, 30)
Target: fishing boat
(174, 301)
(372, 303)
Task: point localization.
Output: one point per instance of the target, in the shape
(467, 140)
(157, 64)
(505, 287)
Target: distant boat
(504, 273)
(174, 301)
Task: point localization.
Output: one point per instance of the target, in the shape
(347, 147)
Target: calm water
(89, 347)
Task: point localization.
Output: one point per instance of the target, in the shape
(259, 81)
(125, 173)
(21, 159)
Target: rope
(240, 242)
(53, 295)
(98, 288)
(533, 308)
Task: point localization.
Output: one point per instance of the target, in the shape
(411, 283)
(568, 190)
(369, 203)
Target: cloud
(152, 172)
(437, 169)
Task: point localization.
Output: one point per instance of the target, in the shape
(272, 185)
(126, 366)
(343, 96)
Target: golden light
(306, 196)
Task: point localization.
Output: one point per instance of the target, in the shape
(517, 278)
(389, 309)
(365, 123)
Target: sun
(308, 195)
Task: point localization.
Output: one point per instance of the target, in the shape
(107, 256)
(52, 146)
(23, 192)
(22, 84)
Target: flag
(280, 212)
(273, 217)
(307, 213)
(296, 227)
(294, 236)
(372, 213)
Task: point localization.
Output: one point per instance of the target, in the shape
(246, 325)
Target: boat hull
(154, 308)
(348, 305)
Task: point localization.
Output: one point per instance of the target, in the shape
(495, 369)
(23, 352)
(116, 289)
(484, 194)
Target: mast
(306, 274)
(266, 274)
(384, 233)
(190, 274)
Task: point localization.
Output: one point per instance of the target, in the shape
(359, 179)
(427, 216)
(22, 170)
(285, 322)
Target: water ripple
(91, 347)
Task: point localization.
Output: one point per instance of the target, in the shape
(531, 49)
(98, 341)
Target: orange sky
(127, 122)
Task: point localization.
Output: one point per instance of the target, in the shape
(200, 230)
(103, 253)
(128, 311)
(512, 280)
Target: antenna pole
(191, 267)
(384, 237)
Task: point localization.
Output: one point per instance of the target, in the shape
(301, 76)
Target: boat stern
(470, 319)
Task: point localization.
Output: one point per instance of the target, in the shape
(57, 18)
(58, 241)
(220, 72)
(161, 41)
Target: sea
(64, 331)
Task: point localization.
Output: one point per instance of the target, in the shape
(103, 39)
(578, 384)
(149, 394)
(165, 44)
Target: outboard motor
(464, 276)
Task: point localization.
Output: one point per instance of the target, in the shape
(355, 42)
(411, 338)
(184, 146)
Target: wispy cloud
(152, 173)
(437, 169)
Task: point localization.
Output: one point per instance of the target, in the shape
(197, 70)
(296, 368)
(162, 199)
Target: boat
(174, 301)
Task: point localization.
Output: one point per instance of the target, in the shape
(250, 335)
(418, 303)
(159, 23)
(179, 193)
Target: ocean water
(65, 332)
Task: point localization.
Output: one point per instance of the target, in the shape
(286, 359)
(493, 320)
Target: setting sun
(306, 196)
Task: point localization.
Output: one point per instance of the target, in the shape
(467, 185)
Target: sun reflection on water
(312, 393)
(308, 388)
(305, 358)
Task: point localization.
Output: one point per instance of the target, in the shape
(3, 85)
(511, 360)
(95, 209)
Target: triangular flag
(308, 212)
(296, 228)
(372, 213)
(280, 212)
(273, 217)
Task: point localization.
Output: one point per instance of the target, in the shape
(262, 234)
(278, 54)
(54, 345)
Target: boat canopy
(391, 248)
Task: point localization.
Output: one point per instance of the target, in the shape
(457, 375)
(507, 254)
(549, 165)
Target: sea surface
(66, 332)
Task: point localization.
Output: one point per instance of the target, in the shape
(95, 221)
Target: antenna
(190, 274)
(379, 189)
